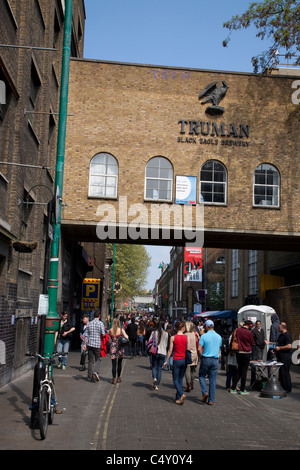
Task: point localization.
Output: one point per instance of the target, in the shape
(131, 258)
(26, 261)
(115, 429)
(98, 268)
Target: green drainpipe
(52, 319)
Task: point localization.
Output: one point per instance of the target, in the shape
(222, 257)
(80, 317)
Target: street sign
(117, 287)
(43, 304)
(90, 294)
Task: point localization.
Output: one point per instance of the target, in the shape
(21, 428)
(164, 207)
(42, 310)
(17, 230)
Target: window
(235, 273)
(266, 186)
(35, 85)
(159, 179)
(103, 180)
(213, 180)
(252, 272)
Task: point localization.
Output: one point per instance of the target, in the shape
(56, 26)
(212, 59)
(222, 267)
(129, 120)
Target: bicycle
(45, 404)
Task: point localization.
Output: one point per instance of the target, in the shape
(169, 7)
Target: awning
(217, 314)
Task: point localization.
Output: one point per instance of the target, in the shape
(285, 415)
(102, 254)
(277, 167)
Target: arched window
(266, 186)
(159, 179)
(103, 180)
(213, 182)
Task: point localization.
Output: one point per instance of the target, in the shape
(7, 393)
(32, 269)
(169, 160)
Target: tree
(278, 20)
(131, 267)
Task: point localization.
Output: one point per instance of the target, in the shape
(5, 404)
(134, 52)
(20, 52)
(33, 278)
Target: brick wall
(133, 112)
(286, 303)
(25, 141)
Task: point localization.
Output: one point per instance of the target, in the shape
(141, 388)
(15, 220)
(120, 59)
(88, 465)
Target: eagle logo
(214, 94)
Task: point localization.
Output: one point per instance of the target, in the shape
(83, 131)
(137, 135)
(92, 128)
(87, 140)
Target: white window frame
(224, 183)
(235, 273)
(149, 178)
(104, 175)
(252, 272)
(270, 199)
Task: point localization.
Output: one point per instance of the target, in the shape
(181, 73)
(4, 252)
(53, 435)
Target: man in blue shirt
(209, 347)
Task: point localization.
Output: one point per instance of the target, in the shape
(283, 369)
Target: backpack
(151, 345)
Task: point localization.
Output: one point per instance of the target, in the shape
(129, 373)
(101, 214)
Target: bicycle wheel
(44, 412)
(52, 405)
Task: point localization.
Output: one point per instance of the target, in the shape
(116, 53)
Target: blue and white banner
(186, 190)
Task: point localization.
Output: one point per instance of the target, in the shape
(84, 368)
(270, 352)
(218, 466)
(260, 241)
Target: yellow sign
(90, 299)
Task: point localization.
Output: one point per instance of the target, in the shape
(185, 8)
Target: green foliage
(278, 20)
(216, 295)
(131, 267)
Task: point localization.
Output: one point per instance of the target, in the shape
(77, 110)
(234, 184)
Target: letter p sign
(90, 289)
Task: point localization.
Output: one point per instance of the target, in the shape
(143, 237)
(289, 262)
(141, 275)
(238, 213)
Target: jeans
(209, 366)
(94, 357)
(243, 364)
(133, 347)
(141, 345)
(157, 363)
(179, 367)
(63, 346)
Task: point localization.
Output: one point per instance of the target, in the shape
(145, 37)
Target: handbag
(122, 341)
(188, 355)
(151, 345)
(234, 343)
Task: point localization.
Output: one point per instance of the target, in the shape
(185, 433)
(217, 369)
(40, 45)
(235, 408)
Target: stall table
(264, 370)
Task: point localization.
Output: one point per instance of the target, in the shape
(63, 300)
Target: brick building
(30, 89)
(183, 289)
(143, 126)
(265, 277)
(134, 134)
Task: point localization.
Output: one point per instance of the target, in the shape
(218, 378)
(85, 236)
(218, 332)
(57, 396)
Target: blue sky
(169, 32)
(172, 33)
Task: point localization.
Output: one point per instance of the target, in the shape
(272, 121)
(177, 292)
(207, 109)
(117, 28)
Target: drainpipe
(52, 319)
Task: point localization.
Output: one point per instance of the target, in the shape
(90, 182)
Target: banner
(186, 189)
(193, 260)
(90, 294)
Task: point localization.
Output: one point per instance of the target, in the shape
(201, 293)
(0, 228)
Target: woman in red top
(179, 344)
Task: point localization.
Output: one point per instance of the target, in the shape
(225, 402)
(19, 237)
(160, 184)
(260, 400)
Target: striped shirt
(94, 330)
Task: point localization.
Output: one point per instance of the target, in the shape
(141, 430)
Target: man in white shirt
(92, 342)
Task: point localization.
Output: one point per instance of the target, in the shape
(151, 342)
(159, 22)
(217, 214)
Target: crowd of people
(192, 350)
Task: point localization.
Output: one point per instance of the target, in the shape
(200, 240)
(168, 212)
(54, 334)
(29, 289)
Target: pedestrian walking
(191, 368)
(92, 343)
(141, 332)
(171, 333)
(63, 338)
(231, 365)
(179, 343)
(209, 349)
(158, 359)
(245, 342)
(131, 331)
(152, 324)
(85, 320)
(284, 355)
(259, 341)
(116, 350)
